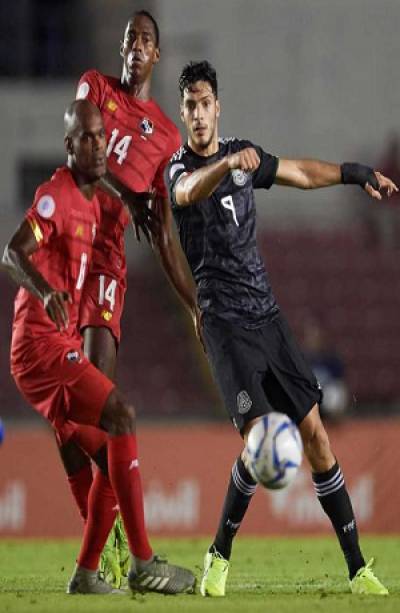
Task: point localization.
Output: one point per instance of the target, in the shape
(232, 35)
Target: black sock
(240, 491)
(332, 494)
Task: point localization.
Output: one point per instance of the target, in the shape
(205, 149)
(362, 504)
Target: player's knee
(118, 416)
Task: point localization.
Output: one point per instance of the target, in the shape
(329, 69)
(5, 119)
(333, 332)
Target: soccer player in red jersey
(48, 256)
(141, 140)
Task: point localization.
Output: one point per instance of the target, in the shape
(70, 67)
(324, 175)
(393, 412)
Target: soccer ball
(274, 451)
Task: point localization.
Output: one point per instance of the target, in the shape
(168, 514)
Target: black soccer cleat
(162, 577)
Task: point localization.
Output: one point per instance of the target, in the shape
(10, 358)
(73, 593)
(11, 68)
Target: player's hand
(144, 219)
(246, 159)
(380, 184)
(54, 302)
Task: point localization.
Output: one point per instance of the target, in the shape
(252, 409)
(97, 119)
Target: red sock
(101, 517)
(124, 473)
(80, 484)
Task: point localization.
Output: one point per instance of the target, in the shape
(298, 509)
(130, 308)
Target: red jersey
(141, 140)
(64, 223)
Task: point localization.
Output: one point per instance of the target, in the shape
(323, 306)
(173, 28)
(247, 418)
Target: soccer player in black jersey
(252, 353)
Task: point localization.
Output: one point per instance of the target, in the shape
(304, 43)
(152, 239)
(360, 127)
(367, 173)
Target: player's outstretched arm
(17, 264)
(313, 174)
(173, 263)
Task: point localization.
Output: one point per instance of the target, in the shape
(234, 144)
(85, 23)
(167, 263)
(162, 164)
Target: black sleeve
(174, 170)
(265, 174)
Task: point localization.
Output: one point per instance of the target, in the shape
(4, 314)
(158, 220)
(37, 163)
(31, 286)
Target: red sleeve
(46, 214)
(174, 144)
(91, 86)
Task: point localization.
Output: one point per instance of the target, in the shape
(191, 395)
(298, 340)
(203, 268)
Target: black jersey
(218, 236)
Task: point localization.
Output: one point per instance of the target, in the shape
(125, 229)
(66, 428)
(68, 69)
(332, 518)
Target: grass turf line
(267, 574)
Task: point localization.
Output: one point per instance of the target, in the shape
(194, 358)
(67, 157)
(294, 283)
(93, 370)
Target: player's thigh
(236, 360)
(102, 303)
(88, 438)
(289, 383)
(100, 348)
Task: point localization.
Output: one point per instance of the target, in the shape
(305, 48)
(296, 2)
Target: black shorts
(259, 370)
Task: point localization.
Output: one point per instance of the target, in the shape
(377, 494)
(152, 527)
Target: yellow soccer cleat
(365, 582)
(110, 569)
(215, 574)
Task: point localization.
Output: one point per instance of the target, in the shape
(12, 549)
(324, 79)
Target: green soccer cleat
(110, 569)
(215, 574)
(122, 547)
(365, 582)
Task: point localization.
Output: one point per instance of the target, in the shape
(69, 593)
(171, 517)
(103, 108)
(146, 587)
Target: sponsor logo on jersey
(106, 315)
(112, 106)
(46, 206)
(244, 402)
(74, 356)
(83, 90)
(147, 126)
(239, 177)
(79, 231)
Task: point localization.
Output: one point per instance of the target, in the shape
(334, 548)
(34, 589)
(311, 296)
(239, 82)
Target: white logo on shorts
(73, 356)
(244, 402)
(46, 206)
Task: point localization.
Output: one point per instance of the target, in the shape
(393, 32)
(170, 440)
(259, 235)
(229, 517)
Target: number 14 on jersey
(119, 146)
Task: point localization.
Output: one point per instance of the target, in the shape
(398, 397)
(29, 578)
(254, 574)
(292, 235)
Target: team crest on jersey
(46, 206)
(74, 356)
(239, 177)
(244, 402)
(147, 126)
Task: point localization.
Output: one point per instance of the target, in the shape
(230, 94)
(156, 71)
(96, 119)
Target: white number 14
(107, 293)
(120, 148)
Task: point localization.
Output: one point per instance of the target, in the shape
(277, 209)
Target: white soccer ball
(274, 451)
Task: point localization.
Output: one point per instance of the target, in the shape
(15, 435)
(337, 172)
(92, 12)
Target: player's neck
(207, 151)
(85, 186)
(141, 91)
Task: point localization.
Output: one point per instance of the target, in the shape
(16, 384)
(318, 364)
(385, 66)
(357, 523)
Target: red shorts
(102, 303)
(88, 438)
(61, 383)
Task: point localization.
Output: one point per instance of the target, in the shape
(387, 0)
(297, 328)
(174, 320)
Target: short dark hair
(153, 21)
(198, 71)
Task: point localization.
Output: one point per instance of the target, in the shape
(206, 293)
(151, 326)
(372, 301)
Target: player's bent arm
(16, 263)
(201, 183)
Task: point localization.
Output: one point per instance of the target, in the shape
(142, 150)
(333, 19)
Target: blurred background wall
(300, 77)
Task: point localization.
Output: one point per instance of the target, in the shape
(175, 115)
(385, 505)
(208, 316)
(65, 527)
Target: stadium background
(309, 78)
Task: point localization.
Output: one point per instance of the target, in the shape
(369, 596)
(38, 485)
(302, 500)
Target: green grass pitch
(269, 575)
